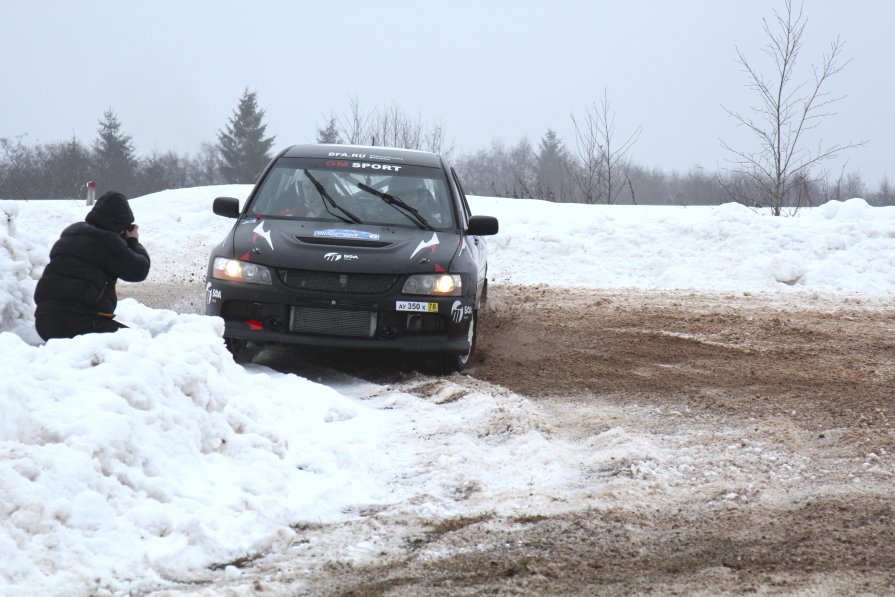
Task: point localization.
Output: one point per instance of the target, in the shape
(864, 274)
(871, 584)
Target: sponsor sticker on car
(346, 233)
(416, 306)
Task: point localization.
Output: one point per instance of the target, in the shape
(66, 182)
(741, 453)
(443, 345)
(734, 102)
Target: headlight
(434, 285)
(240, 271)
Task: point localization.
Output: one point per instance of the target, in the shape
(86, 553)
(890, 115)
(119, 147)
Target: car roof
(411, 157)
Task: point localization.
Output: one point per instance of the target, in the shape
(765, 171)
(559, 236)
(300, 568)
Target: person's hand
(132, 232)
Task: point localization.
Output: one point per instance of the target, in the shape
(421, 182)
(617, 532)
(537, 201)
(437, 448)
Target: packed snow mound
(854, 209)
(21, 262)
(839, 247)
(150, 454)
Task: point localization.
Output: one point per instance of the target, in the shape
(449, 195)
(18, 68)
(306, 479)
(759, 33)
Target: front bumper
(277, 313)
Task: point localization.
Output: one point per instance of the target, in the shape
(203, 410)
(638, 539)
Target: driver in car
(310, 202)
(300, 199)
(414, 194)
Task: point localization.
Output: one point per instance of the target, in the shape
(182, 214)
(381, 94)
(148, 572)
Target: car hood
(325, 246)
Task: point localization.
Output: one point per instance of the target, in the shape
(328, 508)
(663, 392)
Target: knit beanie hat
(111, 212)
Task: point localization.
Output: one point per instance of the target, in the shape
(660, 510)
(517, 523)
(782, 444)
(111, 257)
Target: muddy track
(811, 376)
(833, 362)
(777, 416)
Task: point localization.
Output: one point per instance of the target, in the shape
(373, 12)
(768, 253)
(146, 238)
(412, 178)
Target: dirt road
(773, 427)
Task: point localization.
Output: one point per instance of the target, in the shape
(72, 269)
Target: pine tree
(114, 160)
(330, 134)
(553, 167)
(244, 150)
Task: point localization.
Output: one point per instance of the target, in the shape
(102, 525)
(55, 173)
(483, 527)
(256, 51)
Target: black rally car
(356, 247)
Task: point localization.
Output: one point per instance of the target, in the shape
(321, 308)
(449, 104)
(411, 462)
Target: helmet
(399, 186)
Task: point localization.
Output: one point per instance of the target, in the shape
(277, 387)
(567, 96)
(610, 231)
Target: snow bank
(840, 247)
(21, 262)
(149, 454)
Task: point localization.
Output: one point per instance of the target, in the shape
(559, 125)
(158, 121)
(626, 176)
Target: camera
(131, 227)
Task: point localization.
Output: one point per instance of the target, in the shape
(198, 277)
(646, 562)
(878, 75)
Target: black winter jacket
(85, 263)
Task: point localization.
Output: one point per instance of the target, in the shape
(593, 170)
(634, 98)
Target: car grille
(337, 283)
(332, 322)
(344, 242)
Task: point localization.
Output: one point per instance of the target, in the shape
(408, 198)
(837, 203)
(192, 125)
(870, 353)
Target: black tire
(451, 363)
(240, 350)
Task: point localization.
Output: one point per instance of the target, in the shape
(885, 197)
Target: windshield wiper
(411, 213)
(328, 199)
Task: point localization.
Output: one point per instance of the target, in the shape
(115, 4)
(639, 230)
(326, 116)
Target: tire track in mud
(824, 358)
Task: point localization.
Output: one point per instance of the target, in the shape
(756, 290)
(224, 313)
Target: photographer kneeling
(76, 293)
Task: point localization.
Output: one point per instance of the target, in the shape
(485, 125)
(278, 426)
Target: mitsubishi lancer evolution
(352, 247)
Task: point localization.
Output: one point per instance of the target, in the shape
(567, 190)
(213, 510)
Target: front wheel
(240, 350)
(451, 363)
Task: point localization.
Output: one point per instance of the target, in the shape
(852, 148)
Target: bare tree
(64, 168)
(390, 126)
(353, 126)
(501, 171)
(162, 170)
(783, 165)
(17, 169)
(205, 168)
(604, 168)
(588, 174)
(844, 186)
(885, 195)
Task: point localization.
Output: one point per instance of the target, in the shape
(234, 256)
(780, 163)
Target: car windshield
(319, 190)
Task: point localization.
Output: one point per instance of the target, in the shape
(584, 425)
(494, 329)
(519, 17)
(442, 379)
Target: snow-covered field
(132, 460)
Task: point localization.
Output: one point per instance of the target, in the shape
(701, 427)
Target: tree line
(597, 168)
(779, 171)
(62, 169)
(551, 172)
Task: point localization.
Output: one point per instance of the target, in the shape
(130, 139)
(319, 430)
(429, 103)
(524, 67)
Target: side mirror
(226, 206)
(482, 226)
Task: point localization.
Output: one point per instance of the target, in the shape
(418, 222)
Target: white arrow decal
(259, 231)
(432, 242)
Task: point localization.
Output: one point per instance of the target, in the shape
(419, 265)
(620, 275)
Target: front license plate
(415, 306)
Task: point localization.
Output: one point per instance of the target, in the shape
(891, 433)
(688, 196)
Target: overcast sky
(173, 71)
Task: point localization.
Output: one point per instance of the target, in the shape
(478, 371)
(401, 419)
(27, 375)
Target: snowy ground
(138, 460)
